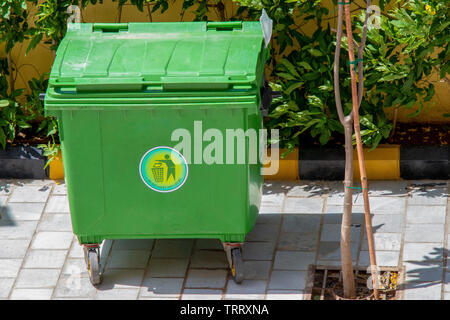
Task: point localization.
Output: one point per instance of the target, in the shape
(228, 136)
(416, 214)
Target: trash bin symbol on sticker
(163, 169)
(158, 172)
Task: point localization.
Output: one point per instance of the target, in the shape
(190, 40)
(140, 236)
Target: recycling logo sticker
(163, 169)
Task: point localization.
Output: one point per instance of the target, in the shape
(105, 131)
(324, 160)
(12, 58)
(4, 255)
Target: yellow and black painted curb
(386, 162)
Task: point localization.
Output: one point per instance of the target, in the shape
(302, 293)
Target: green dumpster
(119, 92)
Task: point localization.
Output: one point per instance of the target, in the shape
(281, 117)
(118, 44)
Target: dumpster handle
(224, 25)
(266, 97)
(110, 27)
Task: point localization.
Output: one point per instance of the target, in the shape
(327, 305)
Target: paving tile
(31, 294)
(446, 296)
(23, 211)
(293, 260)
(31, 182)
(333, 214)
(134, 259)
(248, 289)
(387, 205)
(385, 242)
(274, 187)
(388, 188)
(424, 233)
(37, 278)
(209, 259)
(337, 198)
(169, 248)
(76, 266)
(423, 252)
(303, 205)
(257, 270)
(117, 294)
(9, 267)
(161, 288)
(214, 279)
(167, 267)
(6, 286)
(429, 197)
(263, 232)
(208, 244)
(17, 230)
(60, 188)
(133, 244)
(272, 203)
(201, 294)
(258, 250)
(422, 291)
(269, 218)
(332, 232)
(423, 271)
(55, 222)
(384, 258)
(76, 251)
(382, 223)
(308, 189)
(301, 223)
(331, 250)
(57, 204)
(74, 286)
(122, 279)
(13, 248)
(52, 240)
(30, 193)
(288, 280)
(45, 259)
(297, 241)
(426, 214)
(284, 295)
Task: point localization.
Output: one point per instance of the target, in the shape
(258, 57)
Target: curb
(22, 162)
(287, 167)
(382, 163)
(386, 162)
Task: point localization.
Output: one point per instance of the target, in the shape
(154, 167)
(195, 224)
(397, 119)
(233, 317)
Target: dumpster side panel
(83, 161)
(109, 200)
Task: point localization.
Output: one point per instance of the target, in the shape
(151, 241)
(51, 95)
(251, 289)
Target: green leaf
(2, 138)
(292, 87)
(315, 52)
(305, 65)
(325, 136)
(290, 67)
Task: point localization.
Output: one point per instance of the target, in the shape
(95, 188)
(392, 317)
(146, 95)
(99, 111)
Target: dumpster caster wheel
(93, 260)
(237, 267)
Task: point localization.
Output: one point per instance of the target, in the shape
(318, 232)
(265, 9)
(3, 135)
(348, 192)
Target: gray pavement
(299, 225)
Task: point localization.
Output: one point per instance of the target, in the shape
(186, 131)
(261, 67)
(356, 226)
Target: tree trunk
(347, 122)
(346, 253)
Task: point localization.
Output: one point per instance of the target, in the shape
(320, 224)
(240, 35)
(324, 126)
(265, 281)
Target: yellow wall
(39, 60)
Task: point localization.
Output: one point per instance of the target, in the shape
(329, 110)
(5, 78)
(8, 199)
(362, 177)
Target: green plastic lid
(163, 56)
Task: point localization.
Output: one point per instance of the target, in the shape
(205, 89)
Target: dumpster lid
(164, 56)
